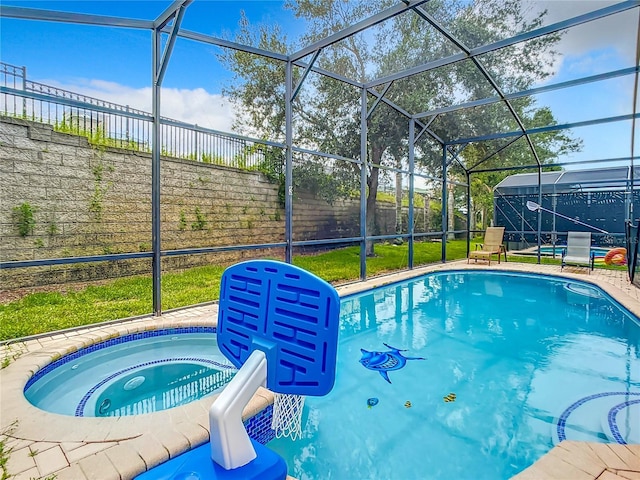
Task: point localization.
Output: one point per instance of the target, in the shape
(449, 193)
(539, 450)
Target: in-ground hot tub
(133, 374)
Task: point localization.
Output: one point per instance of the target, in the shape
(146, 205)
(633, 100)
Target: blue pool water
(134, 374)
(528, 359)
(597, 251)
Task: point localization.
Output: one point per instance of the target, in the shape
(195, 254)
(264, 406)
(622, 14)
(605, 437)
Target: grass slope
(46, 312)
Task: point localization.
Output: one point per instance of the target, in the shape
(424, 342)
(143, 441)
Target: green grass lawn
(126, 297)
(344, 264)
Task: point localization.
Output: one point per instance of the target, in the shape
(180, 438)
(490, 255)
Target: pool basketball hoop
(274, 315)
(279, 325)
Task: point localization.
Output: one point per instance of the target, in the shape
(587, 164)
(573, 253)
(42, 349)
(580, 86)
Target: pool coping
(79, 448)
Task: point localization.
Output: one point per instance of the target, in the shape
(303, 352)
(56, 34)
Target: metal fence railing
(113, 125)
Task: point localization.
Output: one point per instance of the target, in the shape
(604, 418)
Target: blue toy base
(196, 464)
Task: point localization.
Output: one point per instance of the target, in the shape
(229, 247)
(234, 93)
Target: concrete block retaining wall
(90, 200)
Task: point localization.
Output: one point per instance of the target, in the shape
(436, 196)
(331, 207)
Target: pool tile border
(83, 402)
(110, 343)
(562, 420)
(613, 423)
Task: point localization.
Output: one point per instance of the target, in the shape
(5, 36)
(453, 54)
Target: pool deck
(42, 444)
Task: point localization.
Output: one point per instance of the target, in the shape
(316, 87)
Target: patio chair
(492, 245)
(578, 251)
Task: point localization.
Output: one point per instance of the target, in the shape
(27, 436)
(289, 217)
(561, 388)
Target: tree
(327, 112)
(257, 88)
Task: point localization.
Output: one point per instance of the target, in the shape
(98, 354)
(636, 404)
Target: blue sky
(67, 52)
(114, 63)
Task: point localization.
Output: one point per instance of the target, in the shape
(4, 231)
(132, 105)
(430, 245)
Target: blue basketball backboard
(289, 314)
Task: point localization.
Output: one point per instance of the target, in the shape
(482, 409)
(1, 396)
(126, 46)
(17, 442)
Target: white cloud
(617, 31)
(595, 47)
(614, 34)
(196, 106)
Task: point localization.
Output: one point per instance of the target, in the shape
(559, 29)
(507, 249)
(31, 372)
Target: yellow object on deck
(492, 245)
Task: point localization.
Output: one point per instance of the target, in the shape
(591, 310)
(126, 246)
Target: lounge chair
(492, 245)
(578, 251)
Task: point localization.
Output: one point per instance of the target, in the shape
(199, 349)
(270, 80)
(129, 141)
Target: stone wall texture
(84, 200)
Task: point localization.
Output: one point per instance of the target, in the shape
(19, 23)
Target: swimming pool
(133, 374)
(512, 363)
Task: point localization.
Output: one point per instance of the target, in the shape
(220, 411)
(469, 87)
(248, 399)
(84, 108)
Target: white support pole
(230, 444)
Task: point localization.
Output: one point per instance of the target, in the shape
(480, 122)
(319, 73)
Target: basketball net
(287, 415)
